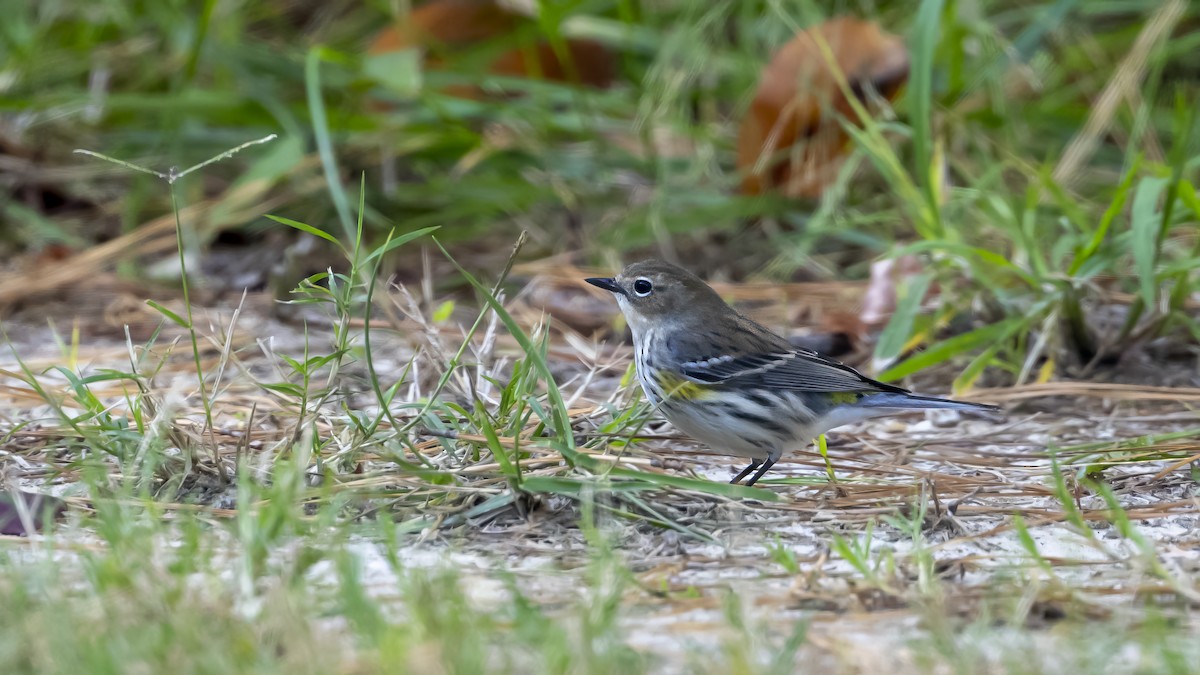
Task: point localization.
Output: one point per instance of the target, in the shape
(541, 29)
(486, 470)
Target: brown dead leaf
(790, 139)
(448, 29)
(24, 513)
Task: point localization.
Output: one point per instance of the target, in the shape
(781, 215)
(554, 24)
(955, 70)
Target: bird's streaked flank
(729, 382)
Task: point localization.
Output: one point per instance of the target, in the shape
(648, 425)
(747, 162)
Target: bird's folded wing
(800, 370)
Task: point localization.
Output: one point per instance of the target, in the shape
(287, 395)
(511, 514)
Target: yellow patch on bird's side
(843, 397)
(679, 388)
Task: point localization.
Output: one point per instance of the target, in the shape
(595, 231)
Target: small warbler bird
(729, 382)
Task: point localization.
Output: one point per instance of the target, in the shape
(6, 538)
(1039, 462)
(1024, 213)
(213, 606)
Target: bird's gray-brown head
(657, 293)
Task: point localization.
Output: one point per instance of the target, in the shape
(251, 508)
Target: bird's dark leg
(766, 466)
(746, 471)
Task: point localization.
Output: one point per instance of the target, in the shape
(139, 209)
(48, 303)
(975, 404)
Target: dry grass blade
(1126, 80)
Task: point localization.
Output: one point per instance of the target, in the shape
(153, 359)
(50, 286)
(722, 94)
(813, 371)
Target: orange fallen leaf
(790, 139)
(448, 29)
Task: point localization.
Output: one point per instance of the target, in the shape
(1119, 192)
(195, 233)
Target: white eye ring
(642, 287)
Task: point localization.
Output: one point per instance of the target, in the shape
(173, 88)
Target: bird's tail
(898, 401)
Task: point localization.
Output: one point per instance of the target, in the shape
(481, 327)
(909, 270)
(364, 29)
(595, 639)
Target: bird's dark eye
(642, 287)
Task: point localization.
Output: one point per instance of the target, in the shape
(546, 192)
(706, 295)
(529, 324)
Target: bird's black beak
(607, 284)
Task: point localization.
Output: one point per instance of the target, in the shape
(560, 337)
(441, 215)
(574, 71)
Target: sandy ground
(971, 476)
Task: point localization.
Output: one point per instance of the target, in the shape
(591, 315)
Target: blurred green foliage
(970, 171)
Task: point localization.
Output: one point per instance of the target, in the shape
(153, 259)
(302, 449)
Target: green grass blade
(400, 241)
(305, 227)
(320, 123)
(562, 422)
(899, 327)
(959, 344)
(1120, 196)
(920, 94)
(1144, 223)
(175, 318)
